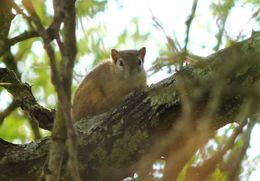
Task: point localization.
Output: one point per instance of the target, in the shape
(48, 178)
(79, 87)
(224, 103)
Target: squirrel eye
(121, 63)
(139, 62)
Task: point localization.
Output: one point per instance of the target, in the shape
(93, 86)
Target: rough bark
(111, 143)
(24, 98)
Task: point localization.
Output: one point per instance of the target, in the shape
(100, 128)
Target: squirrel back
(110, 83)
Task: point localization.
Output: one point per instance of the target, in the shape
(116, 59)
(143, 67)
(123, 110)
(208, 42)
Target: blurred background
(121, 24)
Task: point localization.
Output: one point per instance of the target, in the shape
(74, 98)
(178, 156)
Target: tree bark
(23, 96)
(110, 144)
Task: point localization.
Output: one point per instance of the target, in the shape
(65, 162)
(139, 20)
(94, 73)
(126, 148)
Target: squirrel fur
(110, 83)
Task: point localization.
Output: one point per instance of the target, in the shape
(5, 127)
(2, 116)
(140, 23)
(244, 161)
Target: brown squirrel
(110, 83)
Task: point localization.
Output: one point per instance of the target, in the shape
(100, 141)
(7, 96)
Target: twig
(221, 25)
(20, 11)
(207, 167)
(173, 45)
(197, 137)
(47, 43)
(4, 84)
(221, 22)
(8, 110)
(23, 36)
(233, 165)
(12, 41)
(34, 126)
(53, 29)
(254, 15)
(188, 23)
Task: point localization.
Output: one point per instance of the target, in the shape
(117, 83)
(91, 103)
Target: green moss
(162, 95)
(117, 127)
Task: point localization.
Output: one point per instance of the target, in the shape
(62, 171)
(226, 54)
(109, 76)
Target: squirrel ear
(142, 52)
(114, 54)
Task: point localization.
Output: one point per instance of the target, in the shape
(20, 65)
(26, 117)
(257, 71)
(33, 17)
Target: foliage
(16, 131)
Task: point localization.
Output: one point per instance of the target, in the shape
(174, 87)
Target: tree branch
(221, 22)
(24, 98)
(68, 59)
(233, 164)
(5, 21)
(63, 128)
(188, 23)
(7, 111)
(51, 31)
(208, 166)
(59, 131)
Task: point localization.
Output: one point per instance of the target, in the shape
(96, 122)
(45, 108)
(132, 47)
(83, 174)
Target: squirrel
(110, 83)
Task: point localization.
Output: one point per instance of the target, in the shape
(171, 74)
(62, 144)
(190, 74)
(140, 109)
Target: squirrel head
(129, 62)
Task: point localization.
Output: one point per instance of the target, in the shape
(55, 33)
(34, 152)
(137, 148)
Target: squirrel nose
(134, 71)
